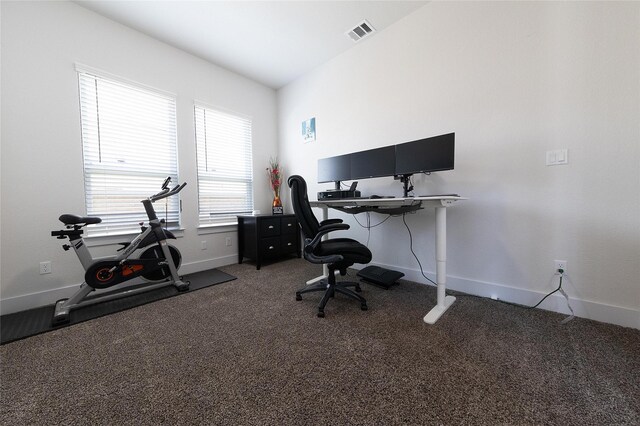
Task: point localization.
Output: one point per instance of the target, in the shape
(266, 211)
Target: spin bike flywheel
(162, 274)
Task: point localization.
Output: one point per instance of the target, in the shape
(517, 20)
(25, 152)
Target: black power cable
(519, 305)
(414, 253)
(369, 226)
(561, 271)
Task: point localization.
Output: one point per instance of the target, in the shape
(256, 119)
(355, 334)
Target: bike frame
(87, 259)
(79, 299)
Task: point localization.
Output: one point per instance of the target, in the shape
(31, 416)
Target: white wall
(512, 80)
(41, 141)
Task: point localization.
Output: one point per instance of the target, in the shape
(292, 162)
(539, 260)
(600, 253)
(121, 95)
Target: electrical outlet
(560, 264)
(227, 241)
(45, 267)
(203, 245)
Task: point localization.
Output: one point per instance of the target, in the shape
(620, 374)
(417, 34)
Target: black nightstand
(267, 237)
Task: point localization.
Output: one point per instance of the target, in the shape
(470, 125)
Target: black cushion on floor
(381, 277)
(23, 324)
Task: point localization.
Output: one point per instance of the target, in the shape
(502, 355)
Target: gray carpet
(246, 353)
(20, 325)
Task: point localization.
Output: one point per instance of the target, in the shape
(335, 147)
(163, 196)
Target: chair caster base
(364, 307)
(298, 297)
(320, 314)
(358, 289)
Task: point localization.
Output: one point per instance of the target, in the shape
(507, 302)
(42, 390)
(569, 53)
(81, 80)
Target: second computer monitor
(373, 163)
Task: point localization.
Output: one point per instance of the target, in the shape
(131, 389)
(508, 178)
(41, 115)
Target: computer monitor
(421, 156)
(425, 155)
(334, 169)
(373, 163)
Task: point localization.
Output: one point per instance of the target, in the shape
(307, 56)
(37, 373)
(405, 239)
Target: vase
(277, 203)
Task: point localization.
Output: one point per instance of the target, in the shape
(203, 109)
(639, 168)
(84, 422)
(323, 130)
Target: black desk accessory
(380, 277)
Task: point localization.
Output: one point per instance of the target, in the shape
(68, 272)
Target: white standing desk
(440, 203)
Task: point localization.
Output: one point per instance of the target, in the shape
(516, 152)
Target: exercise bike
(148, 256)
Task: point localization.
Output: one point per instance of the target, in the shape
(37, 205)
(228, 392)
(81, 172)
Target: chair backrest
(301, 206)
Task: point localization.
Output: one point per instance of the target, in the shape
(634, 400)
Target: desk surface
(443, 200)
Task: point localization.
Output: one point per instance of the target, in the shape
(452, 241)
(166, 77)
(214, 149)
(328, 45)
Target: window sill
(111, 239)
(218, 228)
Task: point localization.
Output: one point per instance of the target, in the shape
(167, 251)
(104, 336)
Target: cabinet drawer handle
(288, 244)
(270, 226)
(271, 247)
(289, 225)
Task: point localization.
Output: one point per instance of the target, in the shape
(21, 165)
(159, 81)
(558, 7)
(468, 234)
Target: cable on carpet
(519, 305)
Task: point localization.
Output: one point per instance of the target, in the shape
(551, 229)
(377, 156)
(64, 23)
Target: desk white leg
(444, 301)
(325, 268)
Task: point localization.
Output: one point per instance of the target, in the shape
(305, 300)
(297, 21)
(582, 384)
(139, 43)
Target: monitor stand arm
(406, 181)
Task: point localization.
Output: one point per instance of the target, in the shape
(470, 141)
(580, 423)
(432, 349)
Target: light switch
(558, 156)
(561, 156)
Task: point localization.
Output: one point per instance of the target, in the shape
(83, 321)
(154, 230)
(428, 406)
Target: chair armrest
(325, 229)
(310, 245)
(330, 221)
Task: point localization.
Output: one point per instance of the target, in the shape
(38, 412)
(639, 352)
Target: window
(129, 147)
(225, 172)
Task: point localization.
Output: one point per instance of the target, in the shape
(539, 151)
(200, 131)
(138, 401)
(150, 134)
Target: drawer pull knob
(288, 244)
(289, 225)
(270, 226)
(270, 247)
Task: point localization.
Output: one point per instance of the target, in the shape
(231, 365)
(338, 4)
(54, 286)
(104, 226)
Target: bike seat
(72, 219)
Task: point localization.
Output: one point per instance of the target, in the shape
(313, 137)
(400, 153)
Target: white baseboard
(203, 265)
(596, 311)
(50, 296)
(625, 317)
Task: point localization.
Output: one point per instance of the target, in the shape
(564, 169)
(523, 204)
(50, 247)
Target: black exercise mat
(23, 324)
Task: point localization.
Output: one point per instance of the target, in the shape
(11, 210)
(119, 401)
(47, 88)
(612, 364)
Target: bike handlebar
(166, 192)
(159, 194)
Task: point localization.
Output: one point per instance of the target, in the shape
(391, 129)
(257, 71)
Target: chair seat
(350, 249)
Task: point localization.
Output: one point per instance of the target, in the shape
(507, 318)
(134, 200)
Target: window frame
(90, 169)
(231, 222)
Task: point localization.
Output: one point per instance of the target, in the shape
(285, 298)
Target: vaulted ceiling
(272, 42)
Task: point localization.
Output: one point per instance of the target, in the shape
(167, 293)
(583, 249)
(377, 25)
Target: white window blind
(225, 171)
(129, 145)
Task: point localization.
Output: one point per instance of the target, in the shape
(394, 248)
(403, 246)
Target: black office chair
(337, 253)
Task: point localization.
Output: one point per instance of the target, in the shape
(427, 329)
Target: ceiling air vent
(360, 31)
